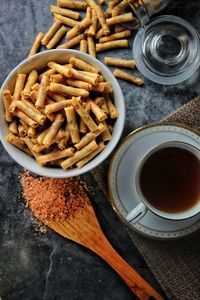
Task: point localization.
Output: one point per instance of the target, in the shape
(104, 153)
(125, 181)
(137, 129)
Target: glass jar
(144, 9)
(166, 49)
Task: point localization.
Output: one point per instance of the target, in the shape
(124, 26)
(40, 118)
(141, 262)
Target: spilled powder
(53, 199)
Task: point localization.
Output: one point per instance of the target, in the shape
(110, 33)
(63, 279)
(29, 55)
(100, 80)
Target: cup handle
(137, 213)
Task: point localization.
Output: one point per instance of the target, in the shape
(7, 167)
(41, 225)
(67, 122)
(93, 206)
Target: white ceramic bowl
(38, 62)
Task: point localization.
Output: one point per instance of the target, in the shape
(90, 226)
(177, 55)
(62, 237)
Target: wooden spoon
(83, 228)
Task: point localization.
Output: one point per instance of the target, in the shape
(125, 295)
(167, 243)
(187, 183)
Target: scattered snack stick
(120, 19)
(93, 27)
(66, 21)
(50, 33)
(115, 36)
(119, 62)
(111, 45)
(120, 7)
(91, 46)
(73, 42)
(83, 46)
(126, 76)
(65, 12)
(36, 44)
(100, 15)
(57, 37)
(72, 4)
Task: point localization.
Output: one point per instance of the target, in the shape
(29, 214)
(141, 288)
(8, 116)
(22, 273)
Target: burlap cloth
(175, 263)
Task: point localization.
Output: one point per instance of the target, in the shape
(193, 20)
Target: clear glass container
(167, 50)
(144, 9)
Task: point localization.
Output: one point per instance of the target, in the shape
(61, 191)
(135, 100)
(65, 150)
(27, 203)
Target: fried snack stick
(25, 118)
(36, 43)
(84, 77)
(54, 155)
(7, 99)
(100, 15)
(57, 78)
(66, 21)
(63, 70)
(119, 62)
(47, 73)
(82, 65)
(51, 32)
(97, 111)
(59, 88)
(17, 142)
(101, 87)
(84, 114)
(65, 12)
(120, 7)
(34, 114)
(90, 156)
(120, 19)
(81, 26)
(72, 4)
(82, 127)
(83, 46)
(99, 34)
(30, 146)
(106, 134)
(19, 86)
(79, 83)
(41, 97)
(13, 127)
(64, 141)
(79, 155)
(115, 36)
(57, 37)
(102, 104)
(21, 130)
(126, 76)
(90, 136)
(50, 108)
(111, 5)
(91, 46)
(53, 130)
(93, 27)
(55, 96)
(113, 112)
(31, 132)
(31, 80)
(73, 42)
(119, 28)
(110, 45)
(72, 124)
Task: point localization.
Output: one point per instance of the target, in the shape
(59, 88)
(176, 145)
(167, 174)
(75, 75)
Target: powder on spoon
(53, 199)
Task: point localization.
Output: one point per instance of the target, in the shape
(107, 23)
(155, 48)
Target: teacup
(168, 182)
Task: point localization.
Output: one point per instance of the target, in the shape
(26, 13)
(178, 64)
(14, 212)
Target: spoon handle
(133, 280)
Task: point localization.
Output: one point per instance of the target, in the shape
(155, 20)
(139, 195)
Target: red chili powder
(53, 199)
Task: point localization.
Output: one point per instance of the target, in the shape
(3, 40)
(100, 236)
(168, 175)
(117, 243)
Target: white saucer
(122, 173)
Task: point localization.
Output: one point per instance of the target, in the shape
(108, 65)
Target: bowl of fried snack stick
(62, 113)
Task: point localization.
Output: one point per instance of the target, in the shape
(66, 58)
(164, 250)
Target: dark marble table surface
(34, 267)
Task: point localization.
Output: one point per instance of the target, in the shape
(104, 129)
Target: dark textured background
(50, 267)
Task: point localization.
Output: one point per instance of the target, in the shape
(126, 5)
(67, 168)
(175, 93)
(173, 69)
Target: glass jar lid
(167, 50)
